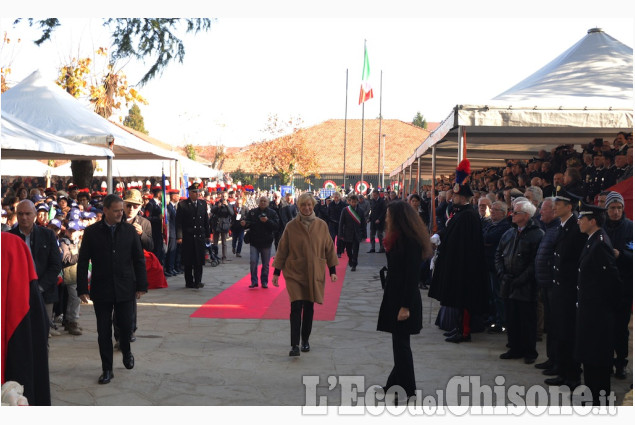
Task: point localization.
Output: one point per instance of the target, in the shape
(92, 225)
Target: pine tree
(134, 119)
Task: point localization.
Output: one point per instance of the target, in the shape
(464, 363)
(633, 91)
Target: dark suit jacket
(171, 220)
(118, 263)
(192, 225)
(48, 260)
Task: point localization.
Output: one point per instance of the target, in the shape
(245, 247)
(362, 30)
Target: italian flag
(366, 91)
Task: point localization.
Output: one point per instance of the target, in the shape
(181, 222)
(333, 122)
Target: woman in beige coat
(304, 251)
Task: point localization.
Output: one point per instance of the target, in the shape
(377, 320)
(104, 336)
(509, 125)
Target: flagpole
(345, 121)
(381, 76)
(362, 153)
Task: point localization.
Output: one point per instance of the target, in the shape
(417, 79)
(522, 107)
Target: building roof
(327, 140)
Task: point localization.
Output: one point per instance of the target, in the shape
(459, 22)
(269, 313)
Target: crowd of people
(510, 246)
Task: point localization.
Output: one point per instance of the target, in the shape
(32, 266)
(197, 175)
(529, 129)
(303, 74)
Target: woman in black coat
(407, 242)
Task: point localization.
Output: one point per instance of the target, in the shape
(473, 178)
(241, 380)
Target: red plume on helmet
(462, 171)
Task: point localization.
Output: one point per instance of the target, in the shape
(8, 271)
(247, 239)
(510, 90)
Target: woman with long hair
(407, 242)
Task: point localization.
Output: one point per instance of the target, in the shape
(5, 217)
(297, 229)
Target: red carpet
(240, 302)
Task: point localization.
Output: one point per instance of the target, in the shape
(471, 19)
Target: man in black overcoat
(118, 277)
(376, 219)
(598, 293)
(192, 233)
(460, 277)
(569, 244)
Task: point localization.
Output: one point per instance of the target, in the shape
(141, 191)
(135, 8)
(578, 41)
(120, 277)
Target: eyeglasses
(519, 212)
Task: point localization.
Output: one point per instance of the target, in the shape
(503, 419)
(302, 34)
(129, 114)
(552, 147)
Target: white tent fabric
(142, 168)
(20, 140)
(46, 106)
(585, 93)
(24, 168)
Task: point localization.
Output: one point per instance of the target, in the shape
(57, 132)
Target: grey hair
(527, 207)
(536, 194)
(551, 199)
(501, 205)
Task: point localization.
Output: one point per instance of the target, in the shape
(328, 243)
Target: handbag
(247, 237)
(383, 276)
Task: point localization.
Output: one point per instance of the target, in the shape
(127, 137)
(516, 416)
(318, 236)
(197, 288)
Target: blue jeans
(237, 239)
(265, 255)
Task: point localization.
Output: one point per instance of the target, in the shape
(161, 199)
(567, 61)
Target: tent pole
(433, 219)
(418, 176)
(461, 144)
(109, 174)
(410, 179)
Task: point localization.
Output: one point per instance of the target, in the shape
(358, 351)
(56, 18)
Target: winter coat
(334, 212)
(515, 262)
(620, 234)
(545, 254)
(350, 230)
(287, 213)
(236, 219)
(598, 299)
(221, 218)
(402, 288)
(261, 234)
(303, 255)
(118, 263)
(492, 234)
(47, 258)
(69, 262)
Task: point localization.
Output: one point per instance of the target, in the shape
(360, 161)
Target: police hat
(591, 211)
(193, 186)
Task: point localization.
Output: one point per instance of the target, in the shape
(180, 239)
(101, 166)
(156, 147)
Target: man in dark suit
(598, 296)
(153, 215)
(562, 304)
(118, 277)
(170, 260)
(45, 252)
(192, 233)
(376, 219)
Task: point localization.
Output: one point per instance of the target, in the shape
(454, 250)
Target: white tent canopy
(20, 140)
(585, 93)
(47, 106)
(24, 168)
(142, 168)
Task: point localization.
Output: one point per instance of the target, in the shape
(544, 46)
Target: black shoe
(496, 329)
(459, 337)
(305, 347)
(167, 274)
(353, 268)
(509, 355)
(381, 250)
(544, 365)
(620, 372)
(128, 360)
(557, 381)
(106, 377)
(295, 351)
(451, 333)
(264, 286)
(371, 250)
(191, 285)
(551, 372)
(199, 285)
(253, 285)
(133, 338)
(530, 360)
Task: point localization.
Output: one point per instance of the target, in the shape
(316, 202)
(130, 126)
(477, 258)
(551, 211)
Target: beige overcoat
(303, 255)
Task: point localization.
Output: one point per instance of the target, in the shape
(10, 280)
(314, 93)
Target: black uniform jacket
(598, 298)
(192, 225)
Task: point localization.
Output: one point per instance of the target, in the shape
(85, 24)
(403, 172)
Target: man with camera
(222, 214)
(262, 224)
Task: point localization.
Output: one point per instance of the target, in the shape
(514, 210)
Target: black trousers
(550, 323)
(193, 281)
(376, 229)
(403, 372)
(598, 378)
(301, 319)
(622, 319)
(352, 251)
(521, 327)
(104, 313)
(564, 314)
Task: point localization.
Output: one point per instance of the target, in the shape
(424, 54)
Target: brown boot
(74, 329)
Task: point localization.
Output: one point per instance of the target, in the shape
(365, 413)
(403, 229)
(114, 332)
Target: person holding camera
(263, 223)
(222, 214)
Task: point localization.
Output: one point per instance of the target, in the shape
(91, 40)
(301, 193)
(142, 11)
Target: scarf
(307, 219)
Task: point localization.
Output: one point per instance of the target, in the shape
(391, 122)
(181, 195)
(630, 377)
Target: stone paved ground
(182, 361)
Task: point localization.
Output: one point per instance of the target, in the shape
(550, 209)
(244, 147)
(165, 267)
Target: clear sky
(293, 61)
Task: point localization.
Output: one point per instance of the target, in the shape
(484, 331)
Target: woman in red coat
(407, 242)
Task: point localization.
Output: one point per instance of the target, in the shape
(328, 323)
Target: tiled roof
(327, 140)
